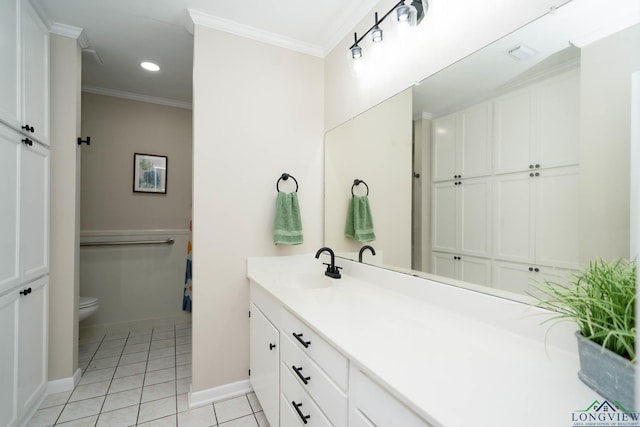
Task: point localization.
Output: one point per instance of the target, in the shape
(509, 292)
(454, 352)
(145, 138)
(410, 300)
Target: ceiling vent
(521, 52)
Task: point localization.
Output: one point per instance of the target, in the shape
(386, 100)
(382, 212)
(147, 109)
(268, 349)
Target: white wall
(451, 30)
(605, 133)
(376, 147)
(257, 113)
(65, 209)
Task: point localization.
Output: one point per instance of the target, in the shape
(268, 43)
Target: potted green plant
(601, 300)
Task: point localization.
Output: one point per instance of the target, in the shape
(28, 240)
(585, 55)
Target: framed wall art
(149, 173)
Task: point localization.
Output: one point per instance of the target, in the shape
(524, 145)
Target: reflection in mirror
(516, 168)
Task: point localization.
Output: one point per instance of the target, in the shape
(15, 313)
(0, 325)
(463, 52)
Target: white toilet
(86, 307)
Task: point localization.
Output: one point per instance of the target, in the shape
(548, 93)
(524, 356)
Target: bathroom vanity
(382, 348)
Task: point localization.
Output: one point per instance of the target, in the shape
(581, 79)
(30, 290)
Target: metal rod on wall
(129, 242)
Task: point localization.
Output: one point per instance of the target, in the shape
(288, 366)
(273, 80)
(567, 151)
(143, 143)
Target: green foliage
(602, 302)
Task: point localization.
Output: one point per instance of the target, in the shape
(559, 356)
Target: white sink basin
(306, 280)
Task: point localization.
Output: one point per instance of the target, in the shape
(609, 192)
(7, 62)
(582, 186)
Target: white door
(514, 217)
(35, 56)
(444, 161)
(34, 211)
(558, 121)
(557, 217)
(444, 218)
(8, 355)
(474, 141)
(514, 277)
(474, 270)
(513, 129)
(32, 345)
(10, 71)
(264, 363)
(444, 264)
(474, 226)
(9, 208)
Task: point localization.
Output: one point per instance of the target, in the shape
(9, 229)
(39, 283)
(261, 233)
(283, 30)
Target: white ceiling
(125, 32)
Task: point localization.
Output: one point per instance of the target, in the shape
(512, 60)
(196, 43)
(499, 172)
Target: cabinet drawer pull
(28, 128)
(271, 346)
(27, 141)
(25, 292)
(301, 341)
(297, 406)
(302, 377)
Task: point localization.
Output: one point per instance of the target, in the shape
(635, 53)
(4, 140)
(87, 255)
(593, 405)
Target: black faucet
(332, 270)
(362, 249)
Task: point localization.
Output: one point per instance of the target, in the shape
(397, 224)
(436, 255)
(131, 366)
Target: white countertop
(452, 369)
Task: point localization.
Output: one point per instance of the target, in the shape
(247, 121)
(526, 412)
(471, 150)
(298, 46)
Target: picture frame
(150, 173)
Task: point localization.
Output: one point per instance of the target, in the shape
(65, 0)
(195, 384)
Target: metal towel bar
(129, 242)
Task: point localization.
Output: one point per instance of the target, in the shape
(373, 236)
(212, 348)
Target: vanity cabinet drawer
(374, 406)
(315, 382)
(296, 406)
(334, 364)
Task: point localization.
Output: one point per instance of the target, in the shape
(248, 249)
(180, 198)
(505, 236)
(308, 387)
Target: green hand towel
(359, 221)
(287, 226)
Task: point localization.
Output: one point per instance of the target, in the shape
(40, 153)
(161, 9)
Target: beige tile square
(127, 359)
(163, 335)
(183, 385)
(97, 376)
(81, 409)
(55, 399)
(183, 402)
(139, 339)
(164, 363)
(157, 409)
(45, 417)
(87, 391)
(122, 399)
(119, 343)
(89, 338)
(262, 419)
(159, 353)
(186, 339)
(126, 383)
(183, 359)
(158, 391)
(183, 332)
(246, 421)
(163, 343)
(183, 349)
(116, 335)
(130, 369)
(159, 376)
(183, 371)
(254, 402)
(137, 332)
(119, 418)
(82, 422)
(108, 362)
(107, 352)
(169, 421)
(135, 348)
(198, 417)
(233, 408)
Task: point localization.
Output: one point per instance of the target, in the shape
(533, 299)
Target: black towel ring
(284, 177)
(358, 182)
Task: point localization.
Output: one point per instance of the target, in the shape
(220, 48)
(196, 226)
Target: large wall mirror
(508, 168)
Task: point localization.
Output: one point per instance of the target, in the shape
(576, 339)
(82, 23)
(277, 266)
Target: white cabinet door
(513, 131)
(514, 217)
(9, 355)
(11, 69)
(32, 345)
(35, 56)
(444, 219)
(10, 149)
(474, 270)
(264, 363)
(474, 222)
(443, 264)
(557, 121)
(34, 211)
(513, 277)
(557, 217)
(474, 141)
(444, 163)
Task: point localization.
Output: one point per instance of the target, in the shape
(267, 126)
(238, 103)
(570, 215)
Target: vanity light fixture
(150, 66)
(407, 11)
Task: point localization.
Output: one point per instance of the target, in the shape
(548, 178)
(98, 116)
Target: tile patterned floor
(141, 378)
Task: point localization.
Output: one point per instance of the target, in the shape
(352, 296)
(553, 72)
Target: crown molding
(136, 97)
(350, 20)
(72, 32)
(196, 17)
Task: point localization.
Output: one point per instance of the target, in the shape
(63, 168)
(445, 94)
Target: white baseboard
(217, 394)
(64, 384)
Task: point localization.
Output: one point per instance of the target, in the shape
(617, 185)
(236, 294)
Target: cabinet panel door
(474, 227)
(34, 211)
(443, 264)
(10, 72)
(514, 218)
(264, 362)
(10, 149)
(35, 56)
(444, 148)
(475, 270)
(32, 351)
(557, 121)
(8, 356)
(444, 219)
(557, 225)
(513, 131)
(513, 277)
(474, 136)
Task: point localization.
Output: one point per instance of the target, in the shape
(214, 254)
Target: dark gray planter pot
(610, 375)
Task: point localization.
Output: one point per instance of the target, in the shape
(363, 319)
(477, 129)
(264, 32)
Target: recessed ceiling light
(150, 66)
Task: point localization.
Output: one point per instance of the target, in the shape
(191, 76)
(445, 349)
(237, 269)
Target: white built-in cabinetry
(300, 379)
(24, 213)
(505, 187)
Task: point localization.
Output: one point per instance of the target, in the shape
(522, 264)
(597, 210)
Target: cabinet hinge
(249, 372)
(249, 313)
